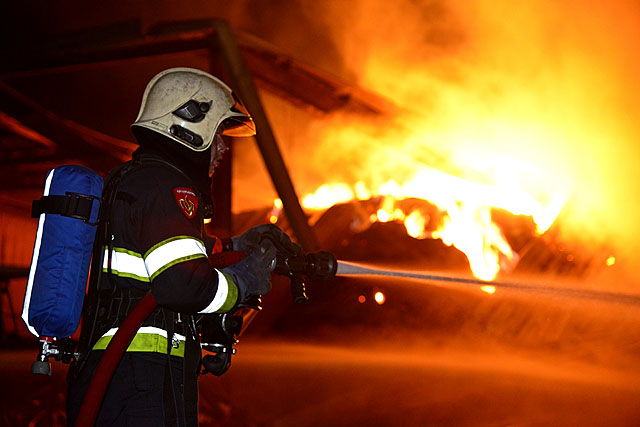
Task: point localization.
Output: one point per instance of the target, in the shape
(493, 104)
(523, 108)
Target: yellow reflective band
(126, 263)
(171, 252)
(232, 295)
(225, 297)
(150, 343)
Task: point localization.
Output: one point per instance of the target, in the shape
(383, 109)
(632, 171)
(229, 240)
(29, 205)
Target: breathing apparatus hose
(110, 359)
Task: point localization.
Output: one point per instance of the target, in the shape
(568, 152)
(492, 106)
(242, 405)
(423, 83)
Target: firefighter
(155, 240)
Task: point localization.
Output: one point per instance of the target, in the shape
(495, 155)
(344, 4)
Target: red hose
(119, 343)
(110, 359)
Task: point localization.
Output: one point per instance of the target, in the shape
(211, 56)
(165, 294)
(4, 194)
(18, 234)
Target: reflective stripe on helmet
(171, 252)
(126, 263)
(226, 295)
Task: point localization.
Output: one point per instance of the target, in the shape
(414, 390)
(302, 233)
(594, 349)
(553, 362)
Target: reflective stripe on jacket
(147, 339)
(158, 243)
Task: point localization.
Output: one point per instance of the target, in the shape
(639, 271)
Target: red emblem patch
(187, 200)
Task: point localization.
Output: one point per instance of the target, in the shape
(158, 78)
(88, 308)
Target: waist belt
(147, 339)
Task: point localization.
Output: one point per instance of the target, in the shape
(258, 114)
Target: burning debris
(379, 229)
(454, 210)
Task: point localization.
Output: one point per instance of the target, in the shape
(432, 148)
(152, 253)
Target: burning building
(467, 107)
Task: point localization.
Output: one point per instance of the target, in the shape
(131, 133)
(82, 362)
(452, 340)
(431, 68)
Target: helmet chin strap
(218, 147)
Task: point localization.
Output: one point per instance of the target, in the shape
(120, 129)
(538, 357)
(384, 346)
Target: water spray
(345, 268)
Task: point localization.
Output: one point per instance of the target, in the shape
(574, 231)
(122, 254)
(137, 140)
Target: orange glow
(480, 106)
(362, 299)
(327, 195)
(533, 114)
(379, 297)
(488, 289)
(415, 224)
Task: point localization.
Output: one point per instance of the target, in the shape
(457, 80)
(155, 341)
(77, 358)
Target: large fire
(527, 107)
(517, 106)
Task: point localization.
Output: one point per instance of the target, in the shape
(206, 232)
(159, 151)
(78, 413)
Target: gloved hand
(270, 232)
(252, 274)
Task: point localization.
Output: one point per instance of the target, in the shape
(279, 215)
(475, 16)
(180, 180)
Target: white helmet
(189, 106)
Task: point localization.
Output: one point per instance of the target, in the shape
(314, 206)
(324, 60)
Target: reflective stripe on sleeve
(171, 252)
(125, 263)
(225, 297)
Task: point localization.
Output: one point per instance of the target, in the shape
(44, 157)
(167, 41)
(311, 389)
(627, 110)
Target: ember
(379, 297)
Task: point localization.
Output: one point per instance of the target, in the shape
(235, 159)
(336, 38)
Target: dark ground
(431, 355)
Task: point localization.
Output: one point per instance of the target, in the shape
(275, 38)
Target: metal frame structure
(214, 35)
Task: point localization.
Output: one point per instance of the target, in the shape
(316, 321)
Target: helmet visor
(239, 121)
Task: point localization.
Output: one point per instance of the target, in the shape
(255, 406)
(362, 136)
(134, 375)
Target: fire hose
(111, 358)
(318, 266)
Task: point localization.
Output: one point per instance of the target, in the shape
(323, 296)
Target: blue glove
(252, 274)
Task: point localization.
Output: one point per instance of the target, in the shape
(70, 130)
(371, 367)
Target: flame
(328, 195)
(465, 205)
(525, 107)
(415, 223)
(488, 289)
